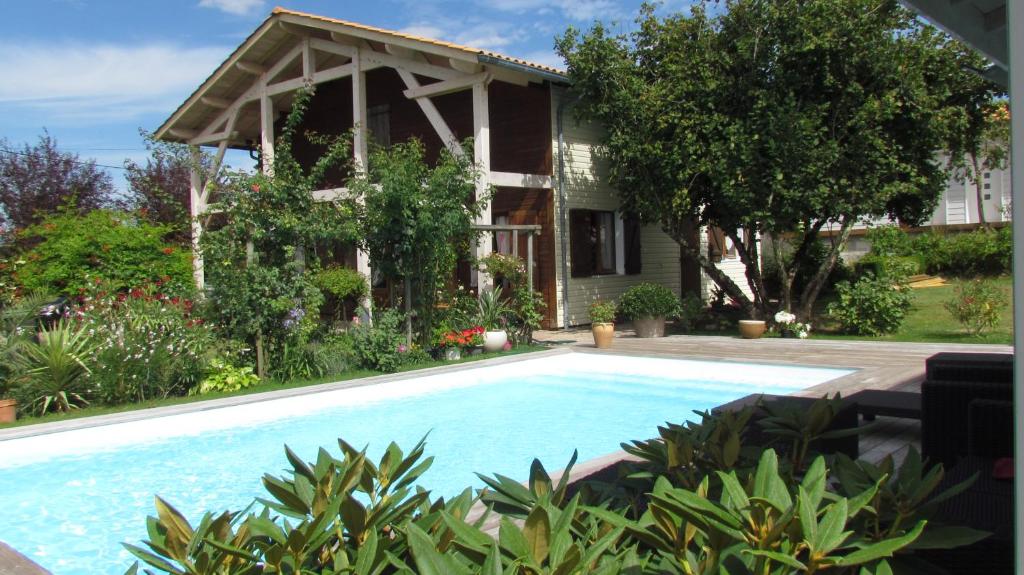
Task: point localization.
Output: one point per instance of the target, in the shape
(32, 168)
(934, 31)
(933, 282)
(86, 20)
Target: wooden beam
(464, 66)
(403, 52)
(333, 47)
(196, 208)
(215, 102)
(433, 116)
(183, 133)
(251, 68)
(214, 138)
(294, 29)
(360, 155)
(482, 159)
(267, 134)
(447, 86)
(514, 180)
(508, 76)
(319, 78)
(308, 60)
(372, 59)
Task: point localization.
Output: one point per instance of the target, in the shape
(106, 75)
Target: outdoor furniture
(954, 381)
(902, 404)
(845, 419)
(960, 366)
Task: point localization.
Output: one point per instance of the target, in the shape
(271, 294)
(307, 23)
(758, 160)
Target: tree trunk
(979, 189)
(748, 253)
(813, 287)
(718, 276)
(810, 236)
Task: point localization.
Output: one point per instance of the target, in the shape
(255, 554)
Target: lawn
(928, 321)
(24, 419)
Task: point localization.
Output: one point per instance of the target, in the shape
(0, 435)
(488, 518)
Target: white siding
(586, 186)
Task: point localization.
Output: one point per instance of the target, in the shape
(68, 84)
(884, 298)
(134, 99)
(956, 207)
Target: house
(545, 167)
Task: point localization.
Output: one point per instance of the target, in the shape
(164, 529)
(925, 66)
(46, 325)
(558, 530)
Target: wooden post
(196, 206)
(482, 158)
(267, 160)
(529, 260)
(361, 161)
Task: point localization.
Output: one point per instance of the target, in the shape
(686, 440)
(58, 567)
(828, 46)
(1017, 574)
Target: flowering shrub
(789, 326)
(146, 344)
(977, 305)
(382, 347)
(872, 306)
(469, 337)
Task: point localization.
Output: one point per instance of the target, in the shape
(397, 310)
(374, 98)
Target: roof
(275, 36)
(979, 23)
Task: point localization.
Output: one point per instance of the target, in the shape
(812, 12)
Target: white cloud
(581, 10)
(475, 34)
(546, 58)
(237, 7)
(424, 31)
(86, 83)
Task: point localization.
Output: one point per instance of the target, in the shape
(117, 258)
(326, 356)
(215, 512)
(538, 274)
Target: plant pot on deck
(495, 340)
(649, 327)
(604, 334)
(751, 328)
(452, 353)
(8, 410)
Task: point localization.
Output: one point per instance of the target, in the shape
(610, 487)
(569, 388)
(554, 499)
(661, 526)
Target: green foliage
(602, 312)
(492, 310)
(983, 251)
(222, 377)
(417, 219)
(145, 344)
(977, 305)
(770, 117)
(647, 300)
(382, 346)
(254, 293)
(17, 329)
(53, 368)
(340, 286)
(897, 268)
(71, 250)
(691, 311)
(525, 305)
(871, 306)
(10, 289)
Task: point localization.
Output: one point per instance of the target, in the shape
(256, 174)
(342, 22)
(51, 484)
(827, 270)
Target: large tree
(36, 180)
(777, 118)
(160, 189)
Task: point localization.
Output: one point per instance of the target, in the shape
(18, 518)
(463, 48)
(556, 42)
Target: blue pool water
(70, 511)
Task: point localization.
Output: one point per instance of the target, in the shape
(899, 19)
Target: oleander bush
(977, 305)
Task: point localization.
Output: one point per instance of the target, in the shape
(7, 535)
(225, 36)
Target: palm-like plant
(53, 367)
(17, 325)
(492, 310)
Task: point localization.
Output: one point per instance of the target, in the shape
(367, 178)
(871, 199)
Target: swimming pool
(71, 498)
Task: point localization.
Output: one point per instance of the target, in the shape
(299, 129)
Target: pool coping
(199, 406)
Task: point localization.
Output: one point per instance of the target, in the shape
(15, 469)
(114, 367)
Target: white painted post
(482, 158)
(267, 134)
(196, 206)
(1015, 21)
(361, 161)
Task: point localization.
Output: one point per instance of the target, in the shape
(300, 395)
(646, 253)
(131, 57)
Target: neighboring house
(544, 166)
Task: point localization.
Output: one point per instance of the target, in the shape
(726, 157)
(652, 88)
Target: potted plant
(452, 342)
(789, 327)
(647, 305)
(752, 328)
(492, 318)
(602, 323)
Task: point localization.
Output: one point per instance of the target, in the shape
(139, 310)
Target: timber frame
(238, 104)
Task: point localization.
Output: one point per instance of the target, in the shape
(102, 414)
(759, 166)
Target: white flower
(784, 317)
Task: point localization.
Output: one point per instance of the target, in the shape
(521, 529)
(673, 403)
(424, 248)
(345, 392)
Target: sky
(94, 72)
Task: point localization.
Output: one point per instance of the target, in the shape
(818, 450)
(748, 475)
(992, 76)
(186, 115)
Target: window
(378, 123)
(592, 235)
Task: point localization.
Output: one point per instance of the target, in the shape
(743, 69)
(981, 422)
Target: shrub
(648, 300)
(894, 267)
(977, 305)
(871, 306)
(147, 344)
(691, 311)
(981, 252)
(118, 247)
(53, 368)
(341, 287)
(382, 347)
(525, 305)
(225, 378)
(602, 312)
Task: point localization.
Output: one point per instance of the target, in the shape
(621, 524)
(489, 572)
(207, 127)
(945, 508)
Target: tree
(36, 180)
(260, 288)
(769, 118)
(417, 220)
(161, 188)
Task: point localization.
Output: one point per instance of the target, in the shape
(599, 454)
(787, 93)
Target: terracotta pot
(8, 410)
(495, 340)
(649, 327)
(604, 334)
(751, 328)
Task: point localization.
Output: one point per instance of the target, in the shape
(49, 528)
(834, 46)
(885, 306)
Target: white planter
(649, 327)
(452, 353)
(495, 340)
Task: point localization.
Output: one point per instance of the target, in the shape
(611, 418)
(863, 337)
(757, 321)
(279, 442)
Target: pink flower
(507, 346)
(401, 348)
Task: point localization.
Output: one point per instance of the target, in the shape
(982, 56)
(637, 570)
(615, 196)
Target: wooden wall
(532, 207)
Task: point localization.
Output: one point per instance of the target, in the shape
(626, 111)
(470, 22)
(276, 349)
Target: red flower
(168, 250)
(136, 293)
(256, 188)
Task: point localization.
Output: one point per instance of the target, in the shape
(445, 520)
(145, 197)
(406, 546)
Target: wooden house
(544, 166)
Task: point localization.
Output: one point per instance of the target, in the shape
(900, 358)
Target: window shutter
(716, 244)
(631, 229)
(581, 244)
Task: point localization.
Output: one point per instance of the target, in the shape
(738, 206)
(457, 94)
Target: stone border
(197, 406)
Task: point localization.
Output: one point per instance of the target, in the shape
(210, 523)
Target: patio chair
(961, 366)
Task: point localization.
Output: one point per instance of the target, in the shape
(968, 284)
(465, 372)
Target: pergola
(238, 104)
(986, 25)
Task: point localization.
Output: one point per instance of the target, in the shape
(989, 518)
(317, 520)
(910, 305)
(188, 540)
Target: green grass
(929, 322)
(90, 411)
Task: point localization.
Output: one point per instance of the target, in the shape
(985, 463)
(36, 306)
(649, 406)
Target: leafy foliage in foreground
(745, 514)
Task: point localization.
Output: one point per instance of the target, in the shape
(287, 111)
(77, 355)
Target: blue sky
(93, 72)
